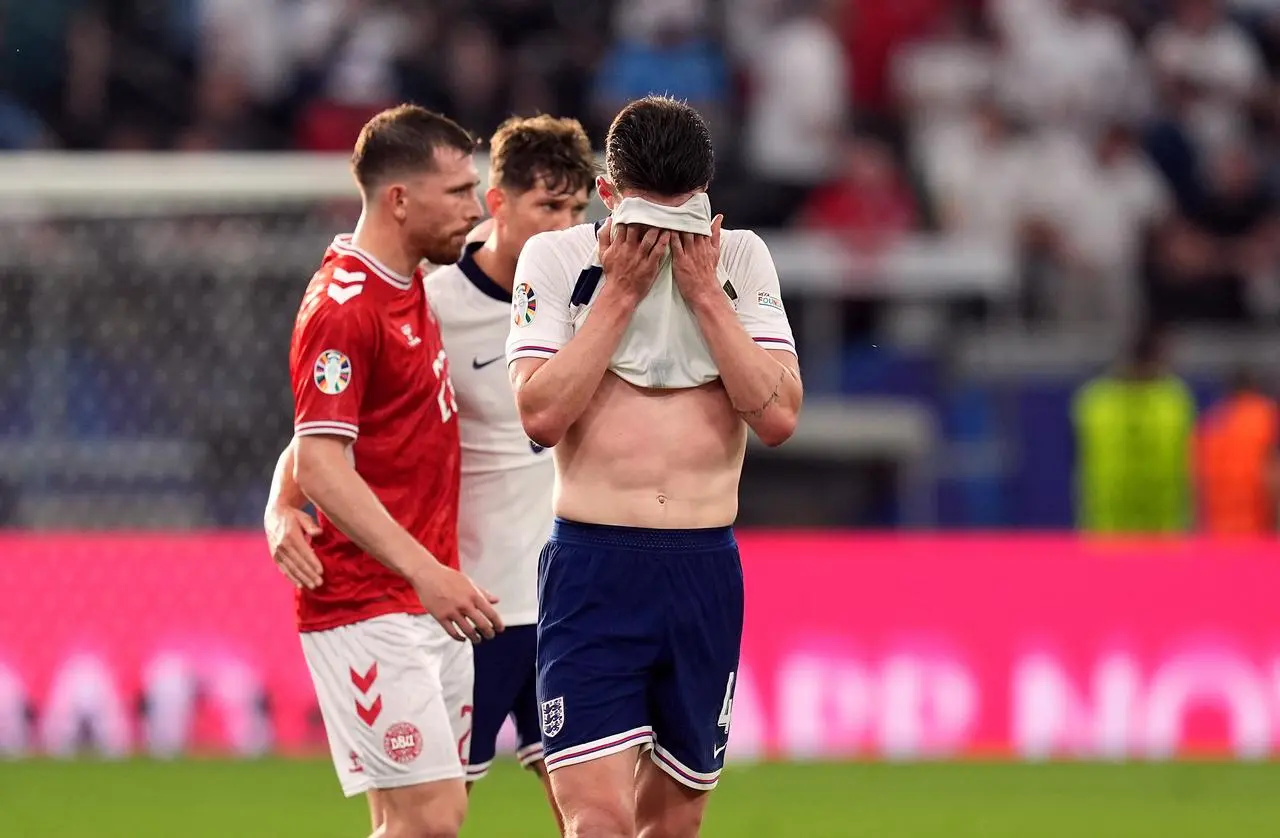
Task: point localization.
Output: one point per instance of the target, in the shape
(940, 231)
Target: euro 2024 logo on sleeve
(525, 304)
(332, 372)
(553, 716)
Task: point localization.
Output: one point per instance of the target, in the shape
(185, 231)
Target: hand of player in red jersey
(289, 534)
(694, 260)
(630, 255)
(457, 604)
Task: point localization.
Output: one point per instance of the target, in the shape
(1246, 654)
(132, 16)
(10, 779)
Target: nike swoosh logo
(716, 752)
(477, 364)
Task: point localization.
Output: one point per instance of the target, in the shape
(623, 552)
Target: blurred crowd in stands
(1124, 153)
(1129, 149)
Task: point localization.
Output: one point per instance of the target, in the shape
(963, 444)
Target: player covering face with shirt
(645, 352)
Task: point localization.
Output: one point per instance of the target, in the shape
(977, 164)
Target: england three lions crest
(552, 716)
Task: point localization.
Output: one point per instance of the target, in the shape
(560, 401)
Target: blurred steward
(1133, 431)
(1236, 464)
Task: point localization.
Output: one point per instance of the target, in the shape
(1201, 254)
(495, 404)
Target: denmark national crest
(552, 716)
(402, 742)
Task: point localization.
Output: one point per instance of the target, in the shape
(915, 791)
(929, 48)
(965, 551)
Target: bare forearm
(341, 494)
(557, 393)
(764, 391)
(284, 488)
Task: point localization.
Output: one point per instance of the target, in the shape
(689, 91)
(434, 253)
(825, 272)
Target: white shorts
(395, 696)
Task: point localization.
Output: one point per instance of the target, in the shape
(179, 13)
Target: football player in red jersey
(377, 452)
(540, 178)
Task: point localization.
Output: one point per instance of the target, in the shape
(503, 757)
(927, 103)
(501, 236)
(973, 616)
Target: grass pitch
(281, 799)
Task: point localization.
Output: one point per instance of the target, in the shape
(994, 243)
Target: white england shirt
(555, 288)
(504, 511)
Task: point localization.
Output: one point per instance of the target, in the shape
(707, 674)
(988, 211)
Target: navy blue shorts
(639, 632)
(506, 675)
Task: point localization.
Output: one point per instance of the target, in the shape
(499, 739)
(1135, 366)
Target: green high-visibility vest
(1133, 440)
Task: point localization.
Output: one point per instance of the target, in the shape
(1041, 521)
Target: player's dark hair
(404, 139)
(659, 145)
(526, 151)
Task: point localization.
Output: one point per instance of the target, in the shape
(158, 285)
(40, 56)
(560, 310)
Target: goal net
(146, 304)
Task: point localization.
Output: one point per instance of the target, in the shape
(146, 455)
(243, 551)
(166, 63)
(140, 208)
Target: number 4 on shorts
(726, 708)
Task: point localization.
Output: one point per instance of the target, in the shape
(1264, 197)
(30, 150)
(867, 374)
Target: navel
(662, 498)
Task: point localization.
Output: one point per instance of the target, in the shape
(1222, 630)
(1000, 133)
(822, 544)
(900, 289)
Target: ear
(494, 200)
(396, 196)
(608, 194)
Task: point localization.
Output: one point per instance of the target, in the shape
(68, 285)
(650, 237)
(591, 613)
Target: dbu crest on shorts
(403, 742)
(395, 696)
(552, 716)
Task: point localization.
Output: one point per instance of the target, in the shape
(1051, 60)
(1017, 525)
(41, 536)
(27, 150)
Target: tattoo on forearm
(774, 397)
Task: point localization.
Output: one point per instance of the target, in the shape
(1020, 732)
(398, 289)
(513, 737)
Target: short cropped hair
(659, 145)
(554, 151)
(404, 139)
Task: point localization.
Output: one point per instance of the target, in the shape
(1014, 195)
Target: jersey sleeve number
(446, 398)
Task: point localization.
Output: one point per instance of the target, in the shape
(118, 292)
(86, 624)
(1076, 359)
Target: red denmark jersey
(368, 364)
